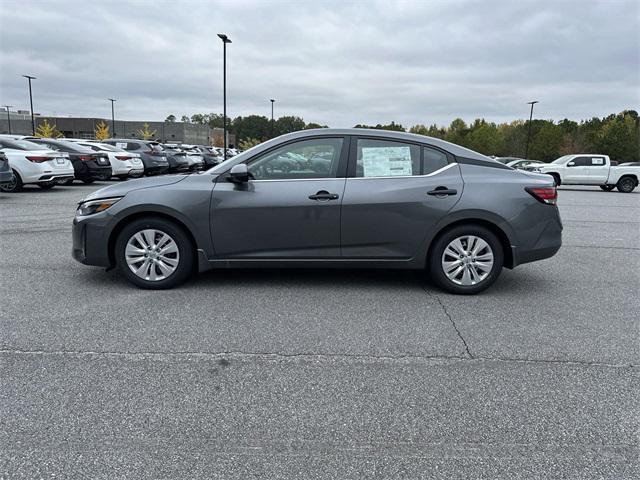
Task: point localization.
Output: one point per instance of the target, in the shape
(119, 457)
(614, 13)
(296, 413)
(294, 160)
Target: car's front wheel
(154, 253)
(607, 188)
(466, 259)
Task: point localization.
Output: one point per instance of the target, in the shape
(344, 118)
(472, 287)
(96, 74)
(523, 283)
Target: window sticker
(387, 161)
(122, 145)
(597, 161)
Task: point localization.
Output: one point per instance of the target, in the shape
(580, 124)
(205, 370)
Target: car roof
(456, 150)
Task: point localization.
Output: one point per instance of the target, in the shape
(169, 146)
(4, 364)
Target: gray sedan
(354, 198)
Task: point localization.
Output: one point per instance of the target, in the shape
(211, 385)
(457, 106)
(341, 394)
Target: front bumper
(90, 240)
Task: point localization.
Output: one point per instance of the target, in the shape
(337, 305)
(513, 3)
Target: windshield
(562, 159)
(221, 167)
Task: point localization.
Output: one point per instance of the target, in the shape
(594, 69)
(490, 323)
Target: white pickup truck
(592, 169)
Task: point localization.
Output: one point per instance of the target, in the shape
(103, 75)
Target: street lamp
(113, 118)
(33, 120)
(526, 153)
(8, 116)
(272, 102)
(225, 40)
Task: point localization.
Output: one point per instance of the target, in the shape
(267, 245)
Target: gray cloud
(338, 63)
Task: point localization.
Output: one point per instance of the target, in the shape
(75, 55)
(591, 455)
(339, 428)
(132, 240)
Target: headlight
(95, 206)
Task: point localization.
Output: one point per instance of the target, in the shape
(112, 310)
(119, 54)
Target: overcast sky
(337, 63)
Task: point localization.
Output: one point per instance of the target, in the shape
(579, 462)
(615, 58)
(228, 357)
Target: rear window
(20, 145)
(433, 160)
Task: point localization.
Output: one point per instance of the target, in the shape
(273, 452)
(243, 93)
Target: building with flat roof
(76, 127)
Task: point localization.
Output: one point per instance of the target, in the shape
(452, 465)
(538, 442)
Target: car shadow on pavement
(521, 282)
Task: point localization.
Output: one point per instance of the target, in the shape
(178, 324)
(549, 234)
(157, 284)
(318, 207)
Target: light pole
(8, 116)
(526, 152)
(33, 120)
(113, 118)
(225, 40)
(272, 102)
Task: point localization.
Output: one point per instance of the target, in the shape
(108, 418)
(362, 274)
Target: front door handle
(323, 195)
(438, 191)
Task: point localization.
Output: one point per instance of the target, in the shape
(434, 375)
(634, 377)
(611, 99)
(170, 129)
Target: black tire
(556, 179)
(436, 269)
(626, 184)
(68, 181)
(88, 181)
(123, 177)
(14, 186)
(47, 185)
(607, 188)
(185, 247)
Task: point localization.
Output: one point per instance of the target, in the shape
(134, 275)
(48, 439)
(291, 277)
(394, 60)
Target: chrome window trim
(407, 176)
(355, 178)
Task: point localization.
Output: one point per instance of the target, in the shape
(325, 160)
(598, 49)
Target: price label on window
(387, 161)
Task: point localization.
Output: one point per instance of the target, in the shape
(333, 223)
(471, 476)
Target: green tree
(486, 138)
(545, 144)
(185, 119)
(619, 138)
(288, 124)
(170, 119)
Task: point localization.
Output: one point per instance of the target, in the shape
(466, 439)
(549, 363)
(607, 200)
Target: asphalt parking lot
(320, 374)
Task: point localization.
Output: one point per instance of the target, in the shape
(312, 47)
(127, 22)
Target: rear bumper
(546, 246)
(91, 170)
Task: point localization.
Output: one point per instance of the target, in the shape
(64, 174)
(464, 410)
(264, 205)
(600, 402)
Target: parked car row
(47, 162)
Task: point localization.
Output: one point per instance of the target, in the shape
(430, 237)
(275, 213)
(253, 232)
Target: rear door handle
(443, 191)
(324, 195)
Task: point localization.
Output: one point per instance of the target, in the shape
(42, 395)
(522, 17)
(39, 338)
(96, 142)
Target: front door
(289, 209)
(394, 194)
(577, 171)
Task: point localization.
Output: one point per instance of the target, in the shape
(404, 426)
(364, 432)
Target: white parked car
(33, 164)
(527, 165)
(123, 164)
(592, 169)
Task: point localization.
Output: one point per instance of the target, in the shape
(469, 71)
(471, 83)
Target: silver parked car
(353, 198)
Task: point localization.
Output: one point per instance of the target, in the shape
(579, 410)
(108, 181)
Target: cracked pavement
(320, 374)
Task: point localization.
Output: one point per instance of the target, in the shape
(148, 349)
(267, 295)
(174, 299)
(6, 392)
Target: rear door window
(386, 158)
(433, 160)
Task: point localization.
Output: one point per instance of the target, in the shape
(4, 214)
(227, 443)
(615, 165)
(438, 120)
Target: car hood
(121, 189)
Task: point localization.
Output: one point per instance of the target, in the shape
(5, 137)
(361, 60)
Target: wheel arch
(631, 175)
(491, 225)
(123, 222)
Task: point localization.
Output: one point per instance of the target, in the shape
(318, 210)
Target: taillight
(85, 158)
(38, 159)
(547, 195)
(123, 157)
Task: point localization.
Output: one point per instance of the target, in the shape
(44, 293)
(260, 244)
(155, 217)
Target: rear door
(394, 194)
(598, 170)
(289, 209)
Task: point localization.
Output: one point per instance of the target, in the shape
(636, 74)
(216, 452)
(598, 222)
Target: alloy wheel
(467, 260)
(152, 255)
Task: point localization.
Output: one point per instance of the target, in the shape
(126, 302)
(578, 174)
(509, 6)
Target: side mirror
(571, 164)
(239, 173)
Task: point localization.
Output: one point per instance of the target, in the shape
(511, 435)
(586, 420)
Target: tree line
(617, 135)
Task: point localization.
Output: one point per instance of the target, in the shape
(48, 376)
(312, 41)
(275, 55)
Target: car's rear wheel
(466, 259)
(88, 180)
(154, 253)
(626, 184)
(607, 188)
(15, 185)
(556, 179)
